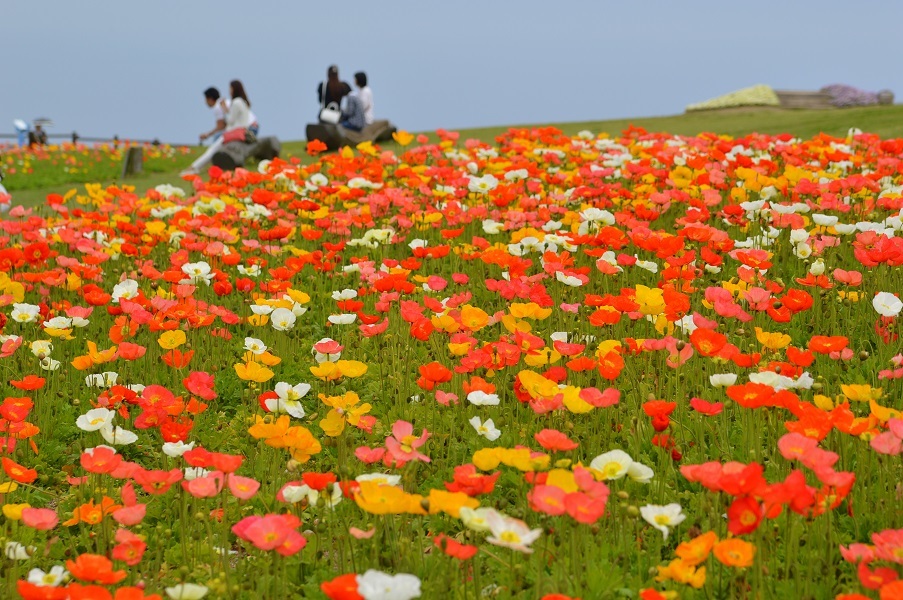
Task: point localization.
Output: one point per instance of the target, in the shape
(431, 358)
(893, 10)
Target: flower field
(34, 167)
(641, 366)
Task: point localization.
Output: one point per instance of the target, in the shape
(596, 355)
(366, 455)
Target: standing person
(366, 96)
(333, 89)
(238, 115)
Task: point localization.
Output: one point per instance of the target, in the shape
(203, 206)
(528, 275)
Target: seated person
(38, 137)
(211, 97)
(365, 94)
(333, 89)
(353, 115)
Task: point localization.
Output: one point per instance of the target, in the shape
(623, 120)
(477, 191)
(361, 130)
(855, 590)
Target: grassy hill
(886, 121)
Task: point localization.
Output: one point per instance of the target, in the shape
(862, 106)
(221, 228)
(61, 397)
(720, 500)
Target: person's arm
(220, 126)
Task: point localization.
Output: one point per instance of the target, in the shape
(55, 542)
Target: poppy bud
(633, 511)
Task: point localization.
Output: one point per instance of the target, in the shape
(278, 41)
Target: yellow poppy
(170, 340)
(253, 371)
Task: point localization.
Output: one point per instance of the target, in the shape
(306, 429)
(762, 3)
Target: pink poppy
(243, 488)
(369, 455)
(403, 444)
(360, 534)
(547, 499)
(600, 399)
(584, 509)
(200, 384)
(552, 439)
(205, 487)
(40, 518)
(294, 543)
(887, 443)
(130, 515)
(445, 398)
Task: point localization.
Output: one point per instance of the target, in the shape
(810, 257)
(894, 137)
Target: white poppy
(481, 398)
(485, 428)
(640, 473)
(663, 517)
(346, 294)
(176, 449)
(127, 289)
(52, 578)
(887, 304)
(95, 419)
(282, 319)
(376, 585)
(118, 436)
(612, 465)
(255, 346)
(187, 591)
(25, 313)
(343, 319)
(722, 379)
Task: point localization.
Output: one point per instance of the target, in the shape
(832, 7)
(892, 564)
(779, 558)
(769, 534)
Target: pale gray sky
(138, 69)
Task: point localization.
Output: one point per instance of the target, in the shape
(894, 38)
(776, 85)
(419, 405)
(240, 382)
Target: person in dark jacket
(353, 116)
(333, 89)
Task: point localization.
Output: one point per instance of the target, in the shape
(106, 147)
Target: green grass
(886, 121)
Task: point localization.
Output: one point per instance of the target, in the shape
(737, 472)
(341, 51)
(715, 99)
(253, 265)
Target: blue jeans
(347, 125)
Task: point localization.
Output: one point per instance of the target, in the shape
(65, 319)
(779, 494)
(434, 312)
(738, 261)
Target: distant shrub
(847, 95)
(757, 95)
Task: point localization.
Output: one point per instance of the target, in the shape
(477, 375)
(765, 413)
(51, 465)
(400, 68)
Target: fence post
(133, 162)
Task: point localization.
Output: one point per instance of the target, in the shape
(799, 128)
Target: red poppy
(343, 587)
(744, 515)
(17, 472)
(453, 548)
(467, 480)
(707, 342)
(29, 382)
(30, 591)
(94, 568)
(706, 408)
(100, 460)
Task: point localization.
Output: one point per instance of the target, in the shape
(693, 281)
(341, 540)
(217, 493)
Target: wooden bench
(801, 99)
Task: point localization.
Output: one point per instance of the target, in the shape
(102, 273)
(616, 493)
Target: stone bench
(235, 154)
(336, 136)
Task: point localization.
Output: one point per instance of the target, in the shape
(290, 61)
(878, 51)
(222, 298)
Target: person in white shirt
(237, 115)
(365, 94)
(211, 97)
(4, 196)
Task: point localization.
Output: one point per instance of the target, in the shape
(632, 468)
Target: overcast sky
(138, 69)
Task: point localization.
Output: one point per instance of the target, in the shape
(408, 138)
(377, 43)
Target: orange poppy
(735, 553)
